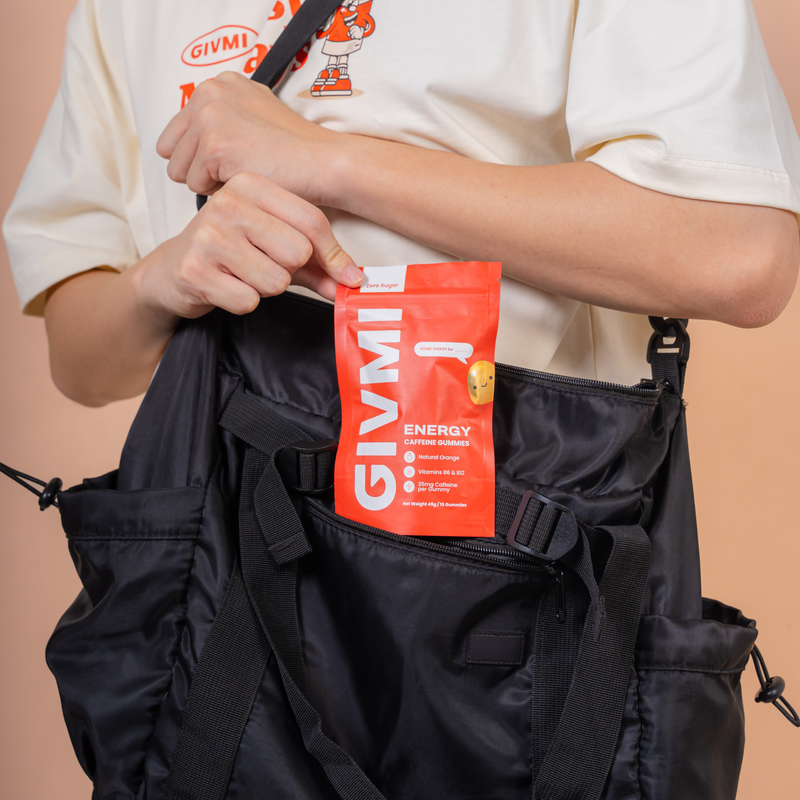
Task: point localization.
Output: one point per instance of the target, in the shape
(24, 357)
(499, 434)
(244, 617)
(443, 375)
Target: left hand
(232, 125)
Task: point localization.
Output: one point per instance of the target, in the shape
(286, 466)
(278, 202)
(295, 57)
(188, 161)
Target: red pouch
(415, 359)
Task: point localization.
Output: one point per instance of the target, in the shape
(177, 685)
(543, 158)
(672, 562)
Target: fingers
(303, 218)
(251, 240)
(220, 243)
(174, 132)
(229, 293)
(195, 139)
(192, 139)
(313, 277)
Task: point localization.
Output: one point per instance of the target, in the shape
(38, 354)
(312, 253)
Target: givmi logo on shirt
(221, 44)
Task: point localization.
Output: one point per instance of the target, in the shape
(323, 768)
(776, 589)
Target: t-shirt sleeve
(69, 213)
(680, 97)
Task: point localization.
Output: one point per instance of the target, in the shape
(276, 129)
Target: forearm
(577, 230)
(104, 344)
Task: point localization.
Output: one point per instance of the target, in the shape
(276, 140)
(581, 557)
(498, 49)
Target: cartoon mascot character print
(350, 24)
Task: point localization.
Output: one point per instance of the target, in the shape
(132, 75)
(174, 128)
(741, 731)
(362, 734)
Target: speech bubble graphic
(460, 350)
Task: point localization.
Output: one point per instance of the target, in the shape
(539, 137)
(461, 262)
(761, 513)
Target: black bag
(236, 638)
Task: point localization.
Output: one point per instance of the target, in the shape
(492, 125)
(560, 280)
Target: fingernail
(355, 276)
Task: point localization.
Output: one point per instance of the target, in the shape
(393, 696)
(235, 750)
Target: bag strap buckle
(534, 524)
(670, 338)
(307, 467)
(668, 351)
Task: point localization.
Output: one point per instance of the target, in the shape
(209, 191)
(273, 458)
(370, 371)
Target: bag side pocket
(690, 703)
(113, 650)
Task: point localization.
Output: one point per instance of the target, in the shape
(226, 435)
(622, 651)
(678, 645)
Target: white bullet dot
(409, 486)
(409, 456)
(409, 472)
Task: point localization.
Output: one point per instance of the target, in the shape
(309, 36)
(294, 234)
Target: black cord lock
(772, 688)
(48, 496)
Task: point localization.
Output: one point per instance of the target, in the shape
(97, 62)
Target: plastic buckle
(517, 521)
(288, 464)
(670, 338)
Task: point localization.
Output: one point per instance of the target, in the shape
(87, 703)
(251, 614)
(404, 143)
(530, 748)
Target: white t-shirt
(676, 96)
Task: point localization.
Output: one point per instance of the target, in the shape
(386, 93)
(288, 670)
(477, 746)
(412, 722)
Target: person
(621, 159)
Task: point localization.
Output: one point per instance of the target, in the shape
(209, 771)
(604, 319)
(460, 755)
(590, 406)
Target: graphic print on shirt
(237, 43)
(344, 34)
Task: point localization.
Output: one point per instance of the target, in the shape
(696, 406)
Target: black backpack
(235, 638)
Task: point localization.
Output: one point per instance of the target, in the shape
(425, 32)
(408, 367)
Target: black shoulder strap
(302, 26)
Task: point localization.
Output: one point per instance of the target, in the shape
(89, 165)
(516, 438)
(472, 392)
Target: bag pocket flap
(91, 511)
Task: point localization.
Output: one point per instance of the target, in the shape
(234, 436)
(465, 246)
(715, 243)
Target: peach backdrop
(744, 430)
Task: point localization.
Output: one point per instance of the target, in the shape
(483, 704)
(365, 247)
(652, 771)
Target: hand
(250, 240)
(232, 125)
(355, 32)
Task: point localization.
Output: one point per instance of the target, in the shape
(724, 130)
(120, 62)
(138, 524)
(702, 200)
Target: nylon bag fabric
(438, 672)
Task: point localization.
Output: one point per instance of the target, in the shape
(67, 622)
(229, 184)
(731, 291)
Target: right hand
(250, 240)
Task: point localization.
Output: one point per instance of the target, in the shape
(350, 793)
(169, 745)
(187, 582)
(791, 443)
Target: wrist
(158, 319)
(338, 159)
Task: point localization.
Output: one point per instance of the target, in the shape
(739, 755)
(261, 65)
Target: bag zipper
(506, 557)
(645, 388)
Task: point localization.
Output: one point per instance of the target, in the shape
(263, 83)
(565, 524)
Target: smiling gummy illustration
(480, 382)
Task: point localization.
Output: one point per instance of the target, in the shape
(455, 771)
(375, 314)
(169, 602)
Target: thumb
(339, 265)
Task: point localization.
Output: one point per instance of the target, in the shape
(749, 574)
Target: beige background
(744, 429)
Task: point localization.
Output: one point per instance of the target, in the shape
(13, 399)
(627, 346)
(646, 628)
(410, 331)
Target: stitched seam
(641, 734)
(687, 668)
(190, 538)
(699, 163)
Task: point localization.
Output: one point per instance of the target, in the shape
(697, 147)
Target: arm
(572, 229)
(580, 231)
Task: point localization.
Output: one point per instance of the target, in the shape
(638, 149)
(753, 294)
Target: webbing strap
(251, 420)
(273, 592)
(579, 757)
(300, 29)
(224, 687)
(267, 517)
